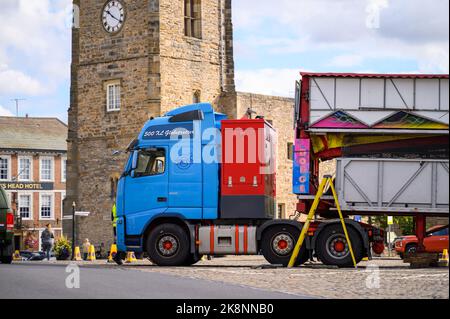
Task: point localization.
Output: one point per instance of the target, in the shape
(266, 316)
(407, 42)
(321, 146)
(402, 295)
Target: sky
(273, 42)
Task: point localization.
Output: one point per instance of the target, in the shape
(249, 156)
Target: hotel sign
(26, 186)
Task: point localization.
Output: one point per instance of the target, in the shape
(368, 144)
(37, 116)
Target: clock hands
(108, 12)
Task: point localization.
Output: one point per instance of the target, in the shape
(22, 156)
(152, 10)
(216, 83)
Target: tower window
(290, 151)
(113, 96)
(193, 18)
(197, 97)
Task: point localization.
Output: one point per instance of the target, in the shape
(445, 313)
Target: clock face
(113, 16)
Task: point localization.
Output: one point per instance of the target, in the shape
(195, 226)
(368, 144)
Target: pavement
(228, 277)
(48, 281)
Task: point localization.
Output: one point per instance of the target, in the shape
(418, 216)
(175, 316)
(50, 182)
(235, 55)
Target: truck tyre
(192, 259)
(168, 245)
(332, 248)
(278, 242)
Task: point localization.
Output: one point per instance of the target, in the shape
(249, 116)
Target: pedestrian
(47, 240)
(86, 246)
(114, 220)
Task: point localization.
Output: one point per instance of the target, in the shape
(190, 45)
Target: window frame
(116, 97)
(63, 197)
(190, 19)
(63, 169)
(136, 175)
(290, 151)
(19, 169)
(52, 206)
(19, 206)
(52, 171)
(8, 169)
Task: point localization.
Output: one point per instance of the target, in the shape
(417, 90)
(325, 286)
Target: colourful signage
(301, 174)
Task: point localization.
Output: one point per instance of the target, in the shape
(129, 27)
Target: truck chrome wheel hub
(337, 246)
(282, 244)
(167, 246)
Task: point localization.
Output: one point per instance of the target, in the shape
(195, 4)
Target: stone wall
(190, 65)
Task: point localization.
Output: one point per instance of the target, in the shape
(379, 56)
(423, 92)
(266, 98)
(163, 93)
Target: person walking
(47, 240)
(114, 220)
(86, 246)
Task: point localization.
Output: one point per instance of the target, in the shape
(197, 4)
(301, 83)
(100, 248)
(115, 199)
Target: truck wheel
(332, 247)
(168, 245)
(192, 259)
(278, 243)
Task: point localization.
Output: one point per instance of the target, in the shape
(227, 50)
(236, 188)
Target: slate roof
(32, 133)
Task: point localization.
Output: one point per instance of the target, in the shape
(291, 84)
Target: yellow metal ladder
(327, 180)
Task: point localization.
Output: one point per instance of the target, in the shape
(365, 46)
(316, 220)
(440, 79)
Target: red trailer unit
(248, 186)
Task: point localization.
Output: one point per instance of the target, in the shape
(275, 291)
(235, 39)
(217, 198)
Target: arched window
(193, 18)
(197, 97)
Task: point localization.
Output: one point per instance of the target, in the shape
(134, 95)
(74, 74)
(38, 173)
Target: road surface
(30, 281)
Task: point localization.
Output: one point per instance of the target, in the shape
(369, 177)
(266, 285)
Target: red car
(436, 241)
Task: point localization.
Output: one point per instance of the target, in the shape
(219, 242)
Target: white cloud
(16, 82)
(5, 112)
(407, 29)
(349, 60)
(278, 82)
(34, 46)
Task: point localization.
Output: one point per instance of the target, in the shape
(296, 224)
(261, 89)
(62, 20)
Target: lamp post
(73, 230)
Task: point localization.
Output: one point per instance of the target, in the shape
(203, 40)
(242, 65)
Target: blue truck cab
(155, 185)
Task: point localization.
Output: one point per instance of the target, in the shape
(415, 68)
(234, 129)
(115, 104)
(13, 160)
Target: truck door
(185, 188)
(146, 188)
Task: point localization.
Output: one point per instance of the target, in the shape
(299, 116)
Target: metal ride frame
(326, 181)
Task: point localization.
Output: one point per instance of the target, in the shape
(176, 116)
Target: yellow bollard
(16, 256)
(112, 253)
(131, 257)
(443, 259)
(77, 254)
(91, 254)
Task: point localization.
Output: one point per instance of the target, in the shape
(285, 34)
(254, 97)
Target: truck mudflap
(349, 222)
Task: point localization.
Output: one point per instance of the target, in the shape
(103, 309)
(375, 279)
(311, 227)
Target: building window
(25, 206)
(63, 169)
(290, 151)
(46, 169)
(281, 211)
(46, 206)
(193, 18)
(4, 168)
(113, 97)
(24, 169)
(63, 198)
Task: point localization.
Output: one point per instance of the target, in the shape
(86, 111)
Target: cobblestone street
(396, 279)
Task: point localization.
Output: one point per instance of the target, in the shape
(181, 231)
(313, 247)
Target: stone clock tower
(131, 60)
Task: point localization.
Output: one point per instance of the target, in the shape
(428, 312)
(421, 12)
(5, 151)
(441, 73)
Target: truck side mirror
(159, 167)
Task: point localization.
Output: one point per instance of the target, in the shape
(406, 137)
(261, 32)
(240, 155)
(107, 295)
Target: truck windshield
(150, 162)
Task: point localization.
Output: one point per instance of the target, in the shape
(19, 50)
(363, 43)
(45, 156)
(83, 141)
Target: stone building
(132, 60)
(33, 156)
